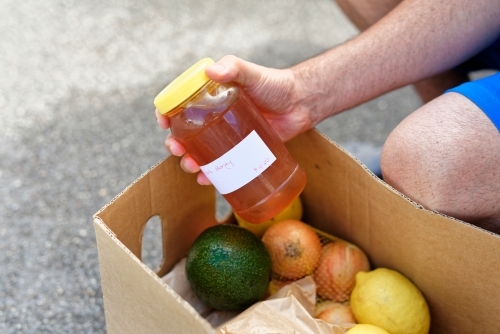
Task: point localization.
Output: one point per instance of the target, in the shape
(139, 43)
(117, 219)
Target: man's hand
(274, 92)
(411, 43)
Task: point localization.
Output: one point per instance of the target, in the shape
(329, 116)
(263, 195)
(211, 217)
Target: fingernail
(176, 150)
(189, 167)
(218, 68)
(161, 122)
(203, 180)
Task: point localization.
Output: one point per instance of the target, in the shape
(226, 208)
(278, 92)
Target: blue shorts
(488, 59)
(485, 93)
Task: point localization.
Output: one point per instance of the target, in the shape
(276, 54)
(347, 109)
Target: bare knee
(445, 156)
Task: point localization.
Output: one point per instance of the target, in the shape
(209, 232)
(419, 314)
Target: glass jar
(235, 147)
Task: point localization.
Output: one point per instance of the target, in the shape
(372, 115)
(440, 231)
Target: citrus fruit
(228, 267)
(387, 299)
(293, 211)
(366, 329)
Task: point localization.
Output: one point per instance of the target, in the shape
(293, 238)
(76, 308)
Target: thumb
(231, 68)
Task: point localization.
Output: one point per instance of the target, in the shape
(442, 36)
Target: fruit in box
(387, 299)
(228, 267)
(334, 313)
(293, 211)
(295, 248)
(335, 274)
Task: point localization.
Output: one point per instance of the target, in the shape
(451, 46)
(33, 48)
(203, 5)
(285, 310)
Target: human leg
(429, 89)
(446, 156)
(488, 58)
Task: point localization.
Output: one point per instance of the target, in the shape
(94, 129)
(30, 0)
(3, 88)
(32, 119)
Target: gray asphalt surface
(77, 81)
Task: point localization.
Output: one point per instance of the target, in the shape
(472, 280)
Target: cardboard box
(454, 264)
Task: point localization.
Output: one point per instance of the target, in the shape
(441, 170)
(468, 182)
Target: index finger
(162, 120)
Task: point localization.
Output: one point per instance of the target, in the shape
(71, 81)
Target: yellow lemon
(387, 299)
(366, 329)
(293, 211)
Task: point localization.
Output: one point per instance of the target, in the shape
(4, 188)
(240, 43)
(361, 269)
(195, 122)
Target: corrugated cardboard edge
(128, 187)
(455, 264)
(388, 186)
(136, 300)
(341, 198)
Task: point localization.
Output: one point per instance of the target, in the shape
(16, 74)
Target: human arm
(416, 40)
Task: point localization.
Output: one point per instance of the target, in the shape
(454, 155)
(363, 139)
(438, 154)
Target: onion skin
(276, 285)
(337, 268)
(294, 247)
(334, 313)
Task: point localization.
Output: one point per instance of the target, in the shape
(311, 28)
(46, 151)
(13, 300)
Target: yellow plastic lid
(183, 87)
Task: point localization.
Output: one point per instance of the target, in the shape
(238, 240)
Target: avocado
(228, 267)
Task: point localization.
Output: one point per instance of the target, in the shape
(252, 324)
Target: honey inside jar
(238, 151)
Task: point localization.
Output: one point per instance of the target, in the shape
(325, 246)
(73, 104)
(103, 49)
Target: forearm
(418, 39)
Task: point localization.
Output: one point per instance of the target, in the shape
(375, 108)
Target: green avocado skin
(228, 267)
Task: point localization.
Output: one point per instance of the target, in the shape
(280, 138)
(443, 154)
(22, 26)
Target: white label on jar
(240, 165)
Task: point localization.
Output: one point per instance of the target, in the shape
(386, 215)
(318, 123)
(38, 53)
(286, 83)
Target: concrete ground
(77, 81)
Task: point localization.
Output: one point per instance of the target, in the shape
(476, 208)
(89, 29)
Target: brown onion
(294, 248)
(338, 265)
(334, 313)
(276, 285)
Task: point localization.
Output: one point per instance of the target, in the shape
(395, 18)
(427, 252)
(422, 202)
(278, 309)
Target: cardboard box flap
(184, 207)
(454, 264)
(444, 257)
(135, 299)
